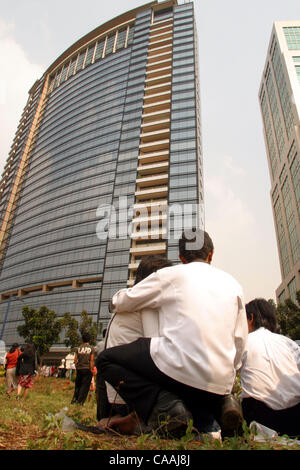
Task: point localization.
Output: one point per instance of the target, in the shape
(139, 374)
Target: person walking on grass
(25, 369)
(10, 369)
(84, 363)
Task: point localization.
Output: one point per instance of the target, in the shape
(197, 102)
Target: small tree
(288, 316)
(70, 324)
(87, 325)
(41, 327)
(74, 330)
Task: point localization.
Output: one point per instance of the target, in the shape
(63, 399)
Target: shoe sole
(232, 423)
(92, 429)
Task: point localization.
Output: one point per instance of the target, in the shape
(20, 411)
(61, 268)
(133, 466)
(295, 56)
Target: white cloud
(229, 164)
(241, 244)
(18, 74)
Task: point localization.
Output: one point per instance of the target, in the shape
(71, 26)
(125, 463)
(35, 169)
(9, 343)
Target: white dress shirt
(271, 369)
(202, 323)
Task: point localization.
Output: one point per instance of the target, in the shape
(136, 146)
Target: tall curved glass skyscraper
(109, 139)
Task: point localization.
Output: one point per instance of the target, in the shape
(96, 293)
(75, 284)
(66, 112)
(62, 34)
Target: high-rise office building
(109, 138)
(280, 106)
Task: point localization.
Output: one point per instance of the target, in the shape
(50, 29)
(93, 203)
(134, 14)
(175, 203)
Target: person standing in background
(25, 369)
(84, 363)
(10, 368)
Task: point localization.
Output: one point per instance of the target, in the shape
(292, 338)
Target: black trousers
(282, 421)
(131, 371)
(82, 385)
(104, 408)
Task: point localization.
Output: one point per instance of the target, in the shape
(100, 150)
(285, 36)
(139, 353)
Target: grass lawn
(30, 425)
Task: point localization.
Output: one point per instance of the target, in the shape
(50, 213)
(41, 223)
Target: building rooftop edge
(113, 23)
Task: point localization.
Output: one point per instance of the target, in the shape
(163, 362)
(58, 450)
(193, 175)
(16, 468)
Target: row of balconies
(44, 288)
(150, 223)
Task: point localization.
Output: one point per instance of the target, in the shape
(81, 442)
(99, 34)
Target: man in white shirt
(191, 366)
(270, 373)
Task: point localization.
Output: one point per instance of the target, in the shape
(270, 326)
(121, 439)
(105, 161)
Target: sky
(233, 41)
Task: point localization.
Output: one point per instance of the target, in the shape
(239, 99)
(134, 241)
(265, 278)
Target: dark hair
(202, 242)
(28, 349)
(13, 347)
(86, 337)
(264, 314)
(149, 265)
(104, 332)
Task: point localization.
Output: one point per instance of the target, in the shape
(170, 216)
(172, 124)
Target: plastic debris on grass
(263, 434)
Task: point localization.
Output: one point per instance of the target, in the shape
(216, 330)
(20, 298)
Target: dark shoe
(92, 429)
(231, 417)
(169, 416)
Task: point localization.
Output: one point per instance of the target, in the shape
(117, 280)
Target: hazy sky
(233, 40)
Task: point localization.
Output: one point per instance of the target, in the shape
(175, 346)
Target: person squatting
(174, 346)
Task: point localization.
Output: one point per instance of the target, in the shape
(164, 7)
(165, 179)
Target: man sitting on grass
(189, 370)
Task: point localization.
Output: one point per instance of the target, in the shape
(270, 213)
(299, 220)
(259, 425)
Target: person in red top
(10, 368)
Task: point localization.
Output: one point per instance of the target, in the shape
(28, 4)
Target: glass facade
(283, 91)
(280, 115)
(297, 68)
(292, 35)
(78, 149)
(185, 175)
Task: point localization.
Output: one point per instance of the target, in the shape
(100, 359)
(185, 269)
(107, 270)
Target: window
(80, 61)
(130, 35)
(283, 91)
(110, 44)
(183, 168)
(99, 49)
(121, 39)
(291, 220)
(283, 249)
(183, 145)
(295, 174)
(163, 14)
(297, 67)
(292, 36)
(72, 67)
(272, 148)
(281, 297)
(292, 290)
(280, 138)
(64, 72)
(90, 55)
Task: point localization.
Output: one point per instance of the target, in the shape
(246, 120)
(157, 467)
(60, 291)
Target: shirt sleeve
(240, 333)
(145, 294)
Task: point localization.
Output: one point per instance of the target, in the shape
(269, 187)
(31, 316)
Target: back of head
(149, 265)
(195, 244)
(264, 314)
(13, 347)
(28, 349)
(86, 337)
